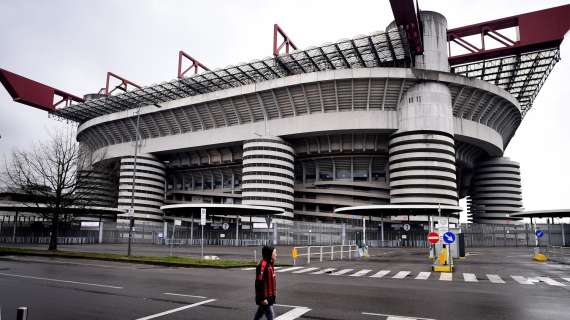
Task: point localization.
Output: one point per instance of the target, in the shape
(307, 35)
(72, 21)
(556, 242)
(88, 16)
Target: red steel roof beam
(405, 15)
(287, 43)
(195, 64)
(33, 93)
(543, 29)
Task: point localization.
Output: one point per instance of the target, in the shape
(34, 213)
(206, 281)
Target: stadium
(390, 126)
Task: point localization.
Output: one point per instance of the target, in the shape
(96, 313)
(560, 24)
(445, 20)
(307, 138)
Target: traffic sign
(433, 237)
(177, 222)
(449, 237)
(407, 227)
(225, 226)
(539, 233)
(203, 216)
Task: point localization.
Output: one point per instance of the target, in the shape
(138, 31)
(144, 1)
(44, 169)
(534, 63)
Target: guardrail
(558, 254)
(321, 251)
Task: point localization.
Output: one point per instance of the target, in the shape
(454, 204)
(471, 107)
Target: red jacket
(265, 284)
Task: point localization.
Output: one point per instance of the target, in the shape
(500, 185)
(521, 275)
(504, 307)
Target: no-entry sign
(433, 237)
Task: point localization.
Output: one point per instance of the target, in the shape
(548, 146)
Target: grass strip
(176, 261)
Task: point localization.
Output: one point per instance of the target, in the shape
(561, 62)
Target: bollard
(341, 249)
(321, 259)
(308, 255)
(332, 253)
(22, 313)
(254, 255)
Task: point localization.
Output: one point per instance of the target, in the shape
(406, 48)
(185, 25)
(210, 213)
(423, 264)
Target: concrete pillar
(149, 188)
(496, 191)
(262, 159)
(343, 234)
(101, 231)
(275, 233)
(165, 231)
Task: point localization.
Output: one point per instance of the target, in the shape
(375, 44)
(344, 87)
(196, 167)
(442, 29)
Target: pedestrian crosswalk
(406, 274)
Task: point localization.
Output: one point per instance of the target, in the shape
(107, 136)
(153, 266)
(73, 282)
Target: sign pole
(172, 238)
(202, 223)
(363, 231)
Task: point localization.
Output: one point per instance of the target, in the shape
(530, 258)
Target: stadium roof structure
(375, 50)
(520, 66)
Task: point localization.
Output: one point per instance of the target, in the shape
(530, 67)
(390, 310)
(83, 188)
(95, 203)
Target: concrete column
(149, 188)
(101, 231)
(165, 231)
(237, 230)
(275, 233)
(273, 191)
(496, 188)
(343, 234)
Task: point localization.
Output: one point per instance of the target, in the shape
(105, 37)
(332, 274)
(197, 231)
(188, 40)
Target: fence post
(22, 313)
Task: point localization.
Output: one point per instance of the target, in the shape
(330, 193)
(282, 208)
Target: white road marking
(277, 268)
(341, 272)
(470, 277)
(305, 270)
(523, 280)
(380, 274)
(292, 314)
(289, 269)
(567, 279)
(324, 271)
(58, 280)
(401, 275)
(446, 276)
(423, 275)
(361, 273)
(394, 317)
(249, 268)
(495, 278)
(551, 282)
(184, 295)
(152, 316)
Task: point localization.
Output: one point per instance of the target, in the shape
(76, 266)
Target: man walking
(265, 284)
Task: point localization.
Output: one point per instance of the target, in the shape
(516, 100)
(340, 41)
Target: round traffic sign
(225, 226)
(449, 237)
(539, 233)
(433, 237)
(407, 227)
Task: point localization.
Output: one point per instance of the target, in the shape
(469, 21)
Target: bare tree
(55, 175)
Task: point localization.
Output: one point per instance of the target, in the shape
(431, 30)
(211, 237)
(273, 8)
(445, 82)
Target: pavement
(395, 284)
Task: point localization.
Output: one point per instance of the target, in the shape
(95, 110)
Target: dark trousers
(266, 310)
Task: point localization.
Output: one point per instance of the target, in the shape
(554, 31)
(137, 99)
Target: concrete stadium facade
(313, 142)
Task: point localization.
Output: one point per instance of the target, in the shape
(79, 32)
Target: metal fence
(297, 233)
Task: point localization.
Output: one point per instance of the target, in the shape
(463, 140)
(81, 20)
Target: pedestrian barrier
(558, 254)
(340, 251)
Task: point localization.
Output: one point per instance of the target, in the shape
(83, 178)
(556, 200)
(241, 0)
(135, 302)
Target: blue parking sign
(449, 237)
(539, 233)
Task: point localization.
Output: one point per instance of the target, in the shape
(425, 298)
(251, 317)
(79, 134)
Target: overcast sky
(71, 45)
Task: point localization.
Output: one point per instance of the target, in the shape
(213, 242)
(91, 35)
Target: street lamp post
(132, 209)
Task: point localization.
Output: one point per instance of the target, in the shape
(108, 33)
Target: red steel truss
(286, 41)
(195, 64)
(122, 86)
(537, 30)
(35, 94)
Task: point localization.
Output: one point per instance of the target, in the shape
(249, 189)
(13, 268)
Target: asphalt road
(82, 289)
